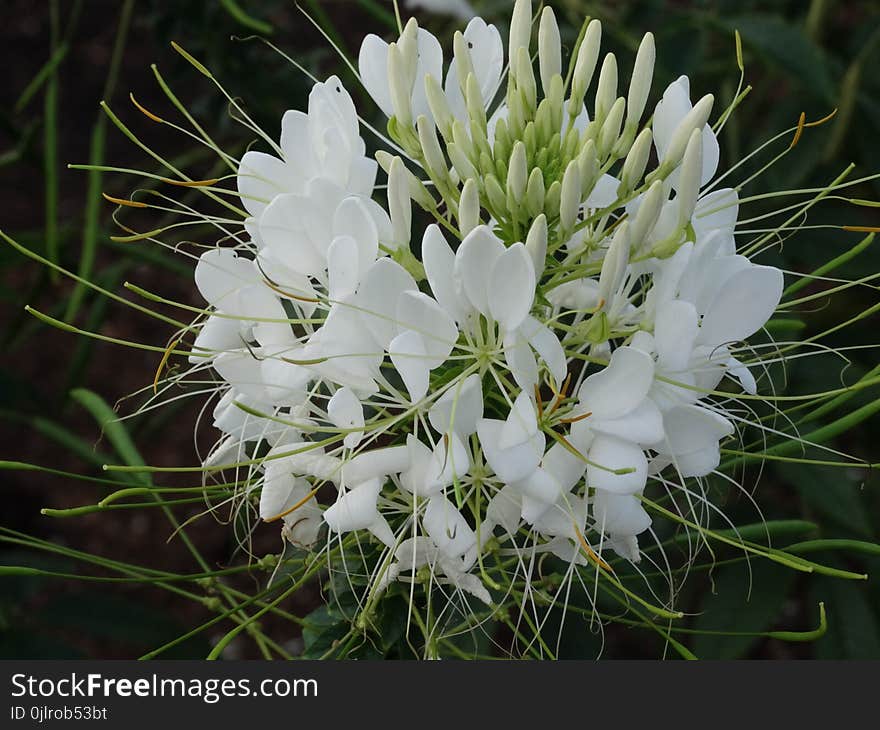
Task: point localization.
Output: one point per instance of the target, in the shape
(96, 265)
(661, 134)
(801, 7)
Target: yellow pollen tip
(822, 121)
(799, 131)
(143, 110)
(122, 201)
(283, 293)
(292, 509)
(590, 553)
(575, 419)
(192, 183)
(862, 229)
(163, 362)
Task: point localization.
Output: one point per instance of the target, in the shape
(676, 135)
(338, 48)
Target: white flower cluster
(515, 374)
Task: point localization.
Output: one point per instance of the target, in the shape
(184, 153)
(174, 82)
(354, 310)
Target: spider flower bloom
(435, 407)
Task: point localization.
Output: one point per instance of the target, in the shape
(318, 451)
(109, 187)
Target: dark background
(800, 56)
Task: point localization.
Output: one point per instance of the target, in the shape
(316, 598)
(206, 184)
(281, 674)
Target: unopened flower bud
(615, 263)
(463, 166)
(610, 129)
(431, 150)
(696, 118)
(520, 27)
(536, 244)
(584, 66)
(570, 200)
(474, 101)
(636, 161)
(495, 193)
(439, 105)
(640, 84)
(606, 90)
(517, 172)
(463, 63)
(469, 207)
(535, 192)
(417, 190)
(399, 203)
(549, 49)
(646, 216)
(525, 81)
(552, 199)
(689, 180)
(401, 91)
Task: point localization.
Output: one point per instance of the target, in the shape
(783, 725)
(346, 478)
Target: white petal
(743, 306)
(740, 372)
(503, 510)
(547, 345)
(643, 425)
(373, 67)
(511, 287)
(447, 527)
(459, 408)
(520, 360)
(604, 193)
(610, 453)
(345, 411)
(354, 218)
(419, 313)
(692, 428)
(521, 423)
(261, 177)
(277, 486)
(439, 261)
(410, 357)
(216, 335)
(447, 464)
(487, 58)
(675, 331)
(221, 274)
(355, 509)
(474, 259)
(619, 514)
(342, 267)
(510, 465)
(284, 232)
(241, 370)
(377, 298)
(376, 463)
(566, 468)
(621, 386)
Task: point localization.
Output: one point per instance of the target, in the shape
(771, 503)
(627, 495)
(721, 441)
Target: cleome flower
(431, 385)
(534, 330)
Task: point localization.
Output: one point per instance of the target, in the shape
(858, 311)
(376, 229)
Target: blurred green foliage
(808, 57)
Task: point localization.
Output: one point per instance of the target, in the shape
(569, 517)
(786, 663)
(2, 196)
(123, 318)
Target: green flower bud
(606, 90)
(640, 84)
(536, 244)
(520, 28)
(552, 200)
(689, 179)
(610, 129)
(647, 215)
(570, 200)
(439, 105)
(525, 82)
(584, 66)
(635, 163)
(460, 162)
(517, 173)
(399, 203)
(549, 49)
(401, 90)
(431, 151)
(495, 194)
(469, 207)
(535, 193)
